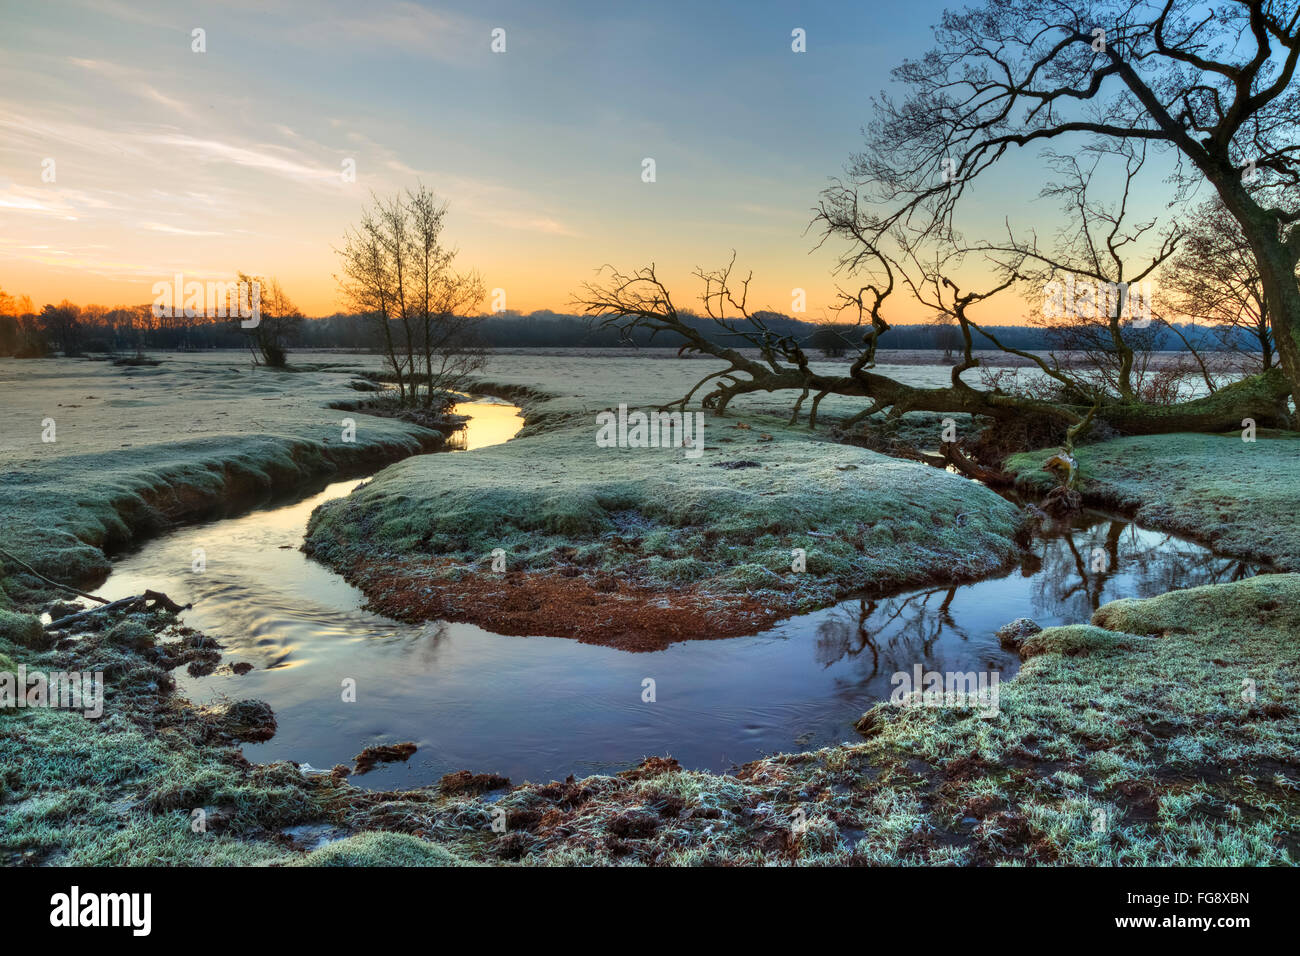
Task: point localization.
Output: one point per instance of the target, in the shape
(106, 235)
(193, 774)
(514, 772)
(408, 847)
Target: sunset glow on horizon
(130, 156)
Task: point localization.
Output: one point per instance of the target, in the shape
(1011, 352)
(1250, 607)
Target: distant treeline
(553, 330)
(70, 329)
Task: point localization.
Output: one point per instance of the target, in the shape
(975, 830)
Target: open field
(1159, 731)
(187, 435)
(198, 430)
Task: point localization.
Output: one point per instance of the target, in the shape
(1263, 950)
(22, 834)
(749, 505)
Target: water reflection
(1071, 570)
(1079, 566)
(542, 708)
(492, 422)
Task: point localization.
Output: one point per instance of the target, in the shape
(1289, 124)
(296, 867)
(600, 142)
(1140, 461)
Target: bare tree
(1214, 280)
(1210, 86)
(829, 339)
(443, 298)
(945, 335)
(1092, 284)
(367, 285)
(397, 271)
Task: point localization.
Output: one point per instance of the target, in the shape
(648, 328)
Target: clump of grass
(1073, 639)
(380, 849)
(24, 630)
(130, 633)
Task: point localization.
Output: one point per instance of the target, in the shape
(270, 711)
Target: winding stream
(540, 707)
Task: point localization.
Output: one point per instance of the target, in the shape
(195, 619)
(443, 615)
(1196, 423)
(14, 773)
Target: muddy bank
(601, 610)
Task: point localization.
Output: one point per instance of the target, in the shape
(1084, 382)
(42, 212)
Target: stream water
(541, 708)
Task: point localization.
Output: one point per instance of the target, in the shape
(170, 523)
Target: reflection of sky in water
(541, 707)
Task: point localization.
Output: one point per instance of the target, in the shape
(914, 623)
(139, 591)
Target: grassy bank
(601, 524)
(590, 542)
(1242, 498)
(1163, 733)
(133, 449)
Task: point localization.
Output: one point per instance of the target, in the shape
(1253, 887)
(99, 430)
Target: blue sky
(170, 160)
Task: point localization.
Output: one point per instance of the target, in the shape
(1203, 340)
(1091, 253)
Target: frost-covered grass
(1239, 497)
(1130, 741)
(728, 520)
(378, 848)
(863, 519)
(1163, 732)
(135, 447)
(75, 791)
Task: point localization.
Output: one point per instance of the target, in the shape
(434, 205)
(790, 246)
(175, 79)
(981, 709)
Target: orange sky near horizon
(128, 155)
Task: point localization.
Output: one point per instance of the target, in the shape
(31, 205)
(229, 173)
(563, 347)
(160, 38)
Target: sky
(168, 160)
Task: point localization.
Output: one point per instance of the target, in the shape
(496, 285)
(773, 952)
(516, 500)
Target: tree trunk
(1277, 260)
(1261, 398)
(1282, 295)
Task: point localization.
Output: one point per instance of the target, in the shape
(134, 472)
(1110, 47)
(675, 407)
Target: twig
(32, 571)
(122, 604)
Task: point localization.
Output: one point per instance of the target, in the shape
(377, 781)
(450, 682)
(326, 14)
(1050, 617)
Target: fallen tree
(640, 300)
(1211, 94)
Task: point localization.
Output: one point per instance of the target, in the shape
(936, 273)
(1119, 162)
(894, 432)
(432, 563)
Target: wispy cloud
(177, 230)
(134, 81)
(279, 161)
(47, 201)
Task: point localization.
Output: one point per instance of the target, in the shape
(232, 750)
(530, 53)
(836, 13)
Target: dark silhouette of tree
(62, 325)
(1214, 279)
(1210, 86)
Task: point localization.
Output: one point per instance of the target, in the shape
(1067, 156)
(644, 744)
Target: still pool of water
(541, 707)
